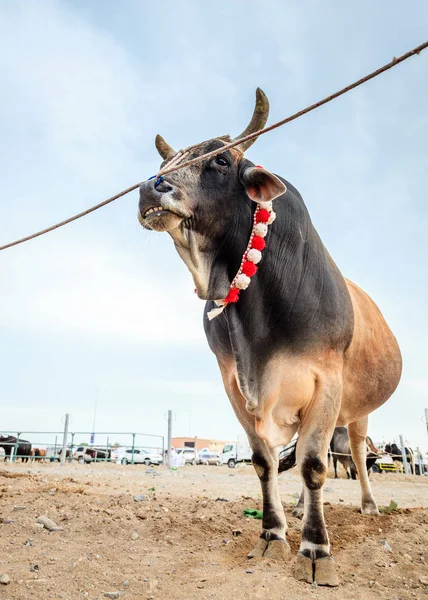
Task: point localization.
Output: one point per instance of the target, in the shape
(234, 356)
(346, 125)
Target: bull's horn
(258, 120)
(163, 148)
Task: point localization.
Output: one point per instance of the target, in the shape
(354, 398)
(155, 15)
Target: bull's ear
(261, 185)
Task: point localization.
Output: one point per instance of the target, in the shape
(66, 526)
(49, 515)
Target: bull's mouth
(155, 211)
(159, 218)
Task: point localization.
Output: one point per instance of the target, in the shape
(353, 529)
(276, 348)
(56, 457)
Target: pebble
(49, 524)
(386, 545)
(19, 508)
(134, 536)
(328, 489)
(249, 571)
(408, 557)
(112, 595)
(5, 579)
(221, 500)
(126, 583)
(236, 532)
(7, 521)
(52, 492)
(204, 504)
(423, 580)
(140, 498)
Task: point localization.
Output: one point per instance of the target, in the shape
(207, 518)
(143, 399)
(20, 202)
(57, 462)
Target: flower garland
(263, 217)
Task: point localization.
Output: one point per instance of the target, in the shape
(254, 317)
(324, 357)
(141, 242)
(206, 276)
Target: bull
(23, 447)
(397, 457)
(302, 350)
(340, 450)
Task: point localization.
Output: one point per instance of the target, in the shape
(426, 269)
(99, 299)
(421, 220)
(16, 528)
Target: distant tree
(116, 445)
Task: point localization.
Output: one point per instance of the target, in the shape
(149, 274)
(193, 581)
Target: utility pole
(169, 455)
(97, 392)
(64, 440)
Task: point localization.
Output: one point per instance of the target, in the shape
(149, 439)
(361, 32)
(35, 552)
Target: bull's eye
(222, 161)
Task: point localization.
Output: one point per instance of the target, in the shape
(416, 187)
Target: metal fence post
(133, 448)
(403, 454)
(106, 452)
(70, 459)
(64, 439)
(15, 450)
(420, 462)
(169, 455)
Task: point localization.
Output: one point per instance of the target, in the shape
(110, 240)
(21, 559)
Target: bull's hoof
(298, 512)
(325, 572)
(321, 572)
(303, 570)
(259, 549)
(277, 550)
(369, 508)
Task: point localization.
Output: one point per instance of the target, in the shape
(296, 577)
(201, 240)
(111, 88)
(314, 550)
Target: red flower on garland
(249, 269)
(232, 296)
(262, 216)
(258, 243)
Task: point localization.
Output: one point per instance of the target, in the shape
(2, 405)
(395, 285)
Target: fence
(63, 446)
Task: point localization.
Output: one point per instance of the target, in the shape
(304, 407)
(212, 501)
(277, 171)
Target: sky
(102, 312)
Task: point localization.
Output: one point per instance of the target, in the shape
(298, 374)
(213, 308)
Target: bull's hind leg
(272, 542)
(314, 563)
(357, 437)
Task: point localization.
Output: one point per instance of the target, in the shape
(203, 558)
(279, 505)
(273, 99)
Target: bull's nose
(162, 186)
(154, 185)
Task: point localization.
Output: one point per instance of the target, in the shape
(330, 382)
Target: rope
(381, 455)
(175, 167)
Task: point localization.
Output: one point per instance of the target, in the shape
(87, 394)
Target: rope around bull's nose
(175, 166)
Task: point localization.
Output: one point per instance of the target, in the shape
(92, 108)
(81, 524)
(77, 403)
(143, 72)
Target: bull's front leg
(314, 562)
(272, 542)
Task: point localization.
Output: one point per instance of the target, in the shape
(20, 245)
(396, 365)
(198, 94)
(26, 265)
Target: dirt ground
(179, 541)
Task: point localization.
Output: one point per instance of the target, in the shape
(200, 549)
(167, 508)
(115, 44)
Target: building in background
(213, 445)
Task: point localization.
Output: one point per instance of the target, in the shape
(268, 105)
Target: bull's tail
(287, 457)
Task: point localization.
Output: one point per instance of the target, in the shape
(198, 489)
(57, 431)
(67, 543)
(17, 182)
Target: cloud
(86, 289)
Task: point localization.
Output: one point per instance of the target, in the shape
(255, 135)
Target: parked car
(190, 455)
(79, 452)
(92, 454)
(141, 457)
(209, 458)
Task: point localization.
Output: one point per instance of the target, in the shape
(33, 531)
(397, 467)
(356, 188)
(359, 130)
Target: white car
(209, 458)
(190, 455)
(141, 457)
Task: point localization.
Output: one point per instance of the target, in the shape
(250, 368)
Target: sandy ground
(179, 542)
